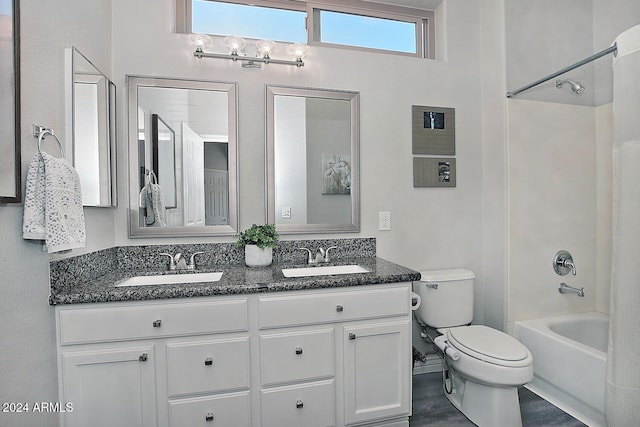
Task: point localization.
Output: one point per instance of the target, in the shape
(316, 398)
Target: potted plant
(258, 242)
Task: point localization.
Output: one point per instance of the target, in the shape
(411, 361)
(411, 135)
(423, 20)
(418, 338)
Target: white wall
(558, 151)
(27, 329)
(552, 206)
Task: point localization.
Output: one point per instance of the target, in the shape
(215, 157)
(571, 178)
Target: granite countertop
(236, 279)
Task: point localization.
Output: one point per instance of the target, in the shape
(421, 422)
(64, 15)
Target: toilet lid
(489, 344)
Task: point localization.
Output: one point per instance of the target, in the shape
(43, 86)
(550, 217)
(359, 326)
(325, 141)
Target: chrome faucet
(178, 262)
(564, 289)
(321, 256)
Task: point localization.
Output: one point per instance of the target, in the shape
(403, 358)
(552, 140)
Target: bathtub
(569, 362)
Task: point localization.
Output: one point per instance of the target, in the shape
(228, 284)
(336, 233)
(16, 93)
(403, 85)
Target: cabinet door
(111, 387)
(377, 371)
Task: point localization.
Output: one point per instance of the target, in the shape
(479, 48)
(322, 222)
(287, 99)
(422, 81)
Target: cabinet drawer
(208, 366)
(123, 322)
(296, 356)
(322, 307)
(309, 405)
(228, 410)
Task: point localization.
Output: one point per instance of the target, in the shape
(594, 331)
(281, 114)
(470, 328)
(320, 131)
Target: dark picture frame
(10, 139)
(163, 144)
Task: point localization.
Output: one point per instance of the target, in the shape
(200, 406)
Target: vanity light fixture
(236, 47)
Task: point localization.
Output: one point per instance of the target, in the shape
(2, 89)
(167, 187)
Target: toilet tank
(447, 298)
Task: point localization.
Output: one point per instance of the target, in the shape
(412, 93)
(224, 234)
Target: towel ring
(41, 133)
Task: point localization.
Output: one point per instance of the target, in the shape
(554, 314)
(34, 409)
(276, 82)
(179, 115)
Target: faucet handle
(172, 262)
(563, 263)
(310, 259)
(192, 260)
(326, 253)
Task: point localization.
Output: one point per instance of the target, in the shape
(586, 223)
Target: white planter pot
(256, 257)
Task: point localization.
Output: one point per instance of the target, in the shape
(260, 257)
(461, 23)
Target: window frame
(423, 19)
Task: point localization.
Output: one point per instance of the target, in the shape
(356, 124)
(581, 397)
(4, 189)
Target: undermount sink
(171, 279)
(325, 270)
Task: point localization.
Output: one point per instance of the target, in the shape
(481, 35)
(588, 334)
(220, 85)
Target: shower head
(576, 87)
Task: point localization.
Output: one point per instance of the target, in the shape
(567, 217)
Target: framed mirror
(313, 160)
(183, 174)
(10, 166)
(90, 126)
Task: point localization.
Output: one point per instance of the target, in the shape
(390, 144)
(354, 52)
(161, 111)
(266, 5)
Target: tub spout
(564, 288)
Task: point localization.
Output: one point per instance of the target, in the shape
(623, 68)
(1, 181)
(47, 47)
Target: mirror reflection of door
(200, 127)
(216, 183)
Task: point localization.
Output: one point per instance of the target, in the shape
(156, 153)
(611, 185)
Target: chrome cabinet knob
(143, 357)
(339, 308)
(299, 404)
(157, 323)
(209, 417)
(208, 361)
(298, 350)
(352, 336)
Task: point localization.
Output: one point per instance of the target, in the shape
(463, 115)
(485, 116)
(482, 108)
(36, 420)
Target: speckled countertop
(94, 277)
(236, 279)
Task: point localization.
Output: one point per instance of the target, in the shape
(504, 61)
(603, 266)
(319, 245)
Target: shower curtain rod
(613, 49)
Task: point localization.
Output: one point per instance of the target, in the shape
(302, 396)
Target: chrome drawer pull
(352, 336)
(209, 417)
(143, 357)
(157, 323)
(339, 308)
(208, 361)
(298, 350)
(299, 404)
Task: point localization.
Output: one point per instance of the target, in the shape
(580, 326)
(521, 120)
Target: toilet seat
(489, 345)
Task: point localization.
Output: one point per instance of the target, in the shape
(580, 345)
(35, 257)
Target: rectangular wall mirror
(90, 128)
(313, 138)
(10, 167)
(183, 147)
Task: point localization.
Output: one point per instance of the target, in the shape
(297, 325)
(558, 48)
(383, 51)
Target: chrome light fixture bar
(236, 47)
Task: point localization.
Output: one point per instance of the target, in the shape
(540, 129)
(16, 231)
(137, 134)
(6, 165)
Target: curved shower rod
(613, 49)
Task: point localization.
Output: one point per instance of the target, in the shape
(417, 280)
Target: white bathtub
(569, 362)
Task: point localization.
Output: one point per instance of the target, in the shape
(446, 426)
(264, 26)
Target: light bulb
(200, 41)
(298, 51)
(235, 44)
(264, 48)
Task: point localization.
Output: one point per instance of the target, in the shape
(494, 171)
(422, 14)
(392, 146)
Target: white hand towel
(53, 204)
(155, 201)
(34, 201)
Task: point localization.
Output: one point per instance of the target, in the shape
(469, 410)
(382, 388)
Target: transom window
(347, 23)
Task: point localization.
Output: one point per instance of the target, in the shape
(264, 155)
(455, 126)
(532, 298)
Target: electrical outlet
(286, 212)
(384, 221)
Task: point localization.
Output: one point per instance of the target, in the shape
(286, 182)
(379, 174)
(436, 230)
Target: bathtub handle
(563, 263)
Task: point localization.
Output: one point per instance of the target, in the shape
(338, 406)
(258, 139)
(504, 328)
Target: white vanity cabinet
(312, 358)
(110, 386)
(155, 363)
(336, 357)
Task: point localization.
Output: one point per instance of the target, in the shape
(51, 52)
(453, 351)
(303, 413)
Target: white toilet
(483, 366)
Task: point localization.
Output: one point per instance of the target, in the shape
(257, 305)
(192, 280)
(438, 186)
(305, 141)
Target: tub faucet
(564, 288)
